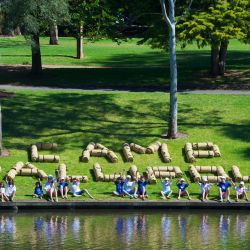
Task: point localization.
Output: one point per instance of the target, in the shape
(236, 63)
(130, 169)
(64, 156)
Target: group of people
(137, 188)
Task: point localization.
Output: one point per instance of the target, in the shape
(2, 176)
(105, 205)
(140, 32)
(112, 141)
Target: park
(94, 96)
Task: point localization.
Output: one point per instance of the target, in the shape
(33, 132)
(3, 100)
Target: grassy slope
(73, 119)
(193, 64)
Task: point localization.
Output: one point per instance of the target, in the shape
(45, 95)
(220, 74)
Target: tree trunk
(214, 59)
(1, 134)
(79, 44)
(17, 31)
(222, 57)
(36, 55)
(172, 126)
(53, 34)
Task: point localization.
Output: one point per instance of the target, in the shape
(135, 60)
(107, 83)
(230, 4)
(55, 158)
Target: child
(166, 190)
(49, 187)
(224, 190)
(142, 184)
(205, 188)
(119, 187)
(182, 189)
(130, 188)
(75, 188)
(10, 190)
(63, 188)
(241, 191)
(2, 192)
(38, 191)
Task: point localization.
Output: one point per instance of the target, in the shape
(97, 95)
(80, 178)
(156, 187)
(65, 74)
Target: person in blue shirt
(63, 187)
(224, 190)
(182, 189)
(38, 191)
(142, 184)
(166, 188)
(119, 187)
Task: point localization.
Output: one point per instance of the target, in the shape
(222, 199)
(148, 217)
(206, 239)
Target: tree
(214, 23)
(33, 16)
(53, 29)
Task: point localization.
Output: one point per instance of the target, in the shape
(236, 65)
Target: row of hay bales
(27, 169)
(201, 150)
(195, 173)
(61, 172)
(238, 176)
(36, 157)
(162, 172)
(98, 150)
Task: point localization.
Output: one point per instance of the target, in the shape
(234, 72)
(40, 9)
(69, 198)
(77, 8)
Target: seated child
(142, 184)
(50, 189)
(2, 192)
(182, 189)
(76, 191)
(38, 191)
(166, 190)
(224, 191)
(63, 187)
(130, 188)
(119, 187)
(205, 188)
(10, 190)
(241, 191)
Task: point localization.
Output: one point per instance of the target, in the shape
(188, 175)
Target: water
(160, 229)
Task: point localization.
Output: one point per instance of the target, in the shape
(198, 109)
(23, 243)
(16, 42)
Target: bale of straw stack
(165, 153)
(213, 169)
(11, 174)
(112, 156)
(203, 154)
(90, 146)
(62, 170)
(236, 173)
(189, 152)
(100, 146)
(33, 153)
(202, 145)
(98, 172)
(154, 147)
(137, 148)
(18, 166)
(48, 158)
(96, 152)
(164, 174)
(194, 173)
(42, 175)
(46, 146)
(216, 151)
(150, 175)
(127, 152)
(104, 152)
(204, 169)
(134, 172)
(85, 155)
(28, 172)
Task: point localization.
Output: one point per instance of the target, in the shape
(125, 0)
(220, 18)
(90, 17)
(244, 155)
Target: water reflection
(126, 230)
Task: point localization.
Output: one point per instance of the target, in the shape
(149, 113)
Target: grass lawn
(73, 119)
(132, 66)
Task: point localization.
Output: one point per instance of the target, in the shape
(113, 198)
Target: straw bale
(205, 169)
(127, 152)
(165, 153)
(178, 171)
(33, 152)
(203, 154)
(246, 178)
(100, 146)
(112, 156)
(46, 146)
(96, 152)
(18, 166)
(216, 150)
(85, 156)
(236, 173)
(154, 147)
(137, 148)
(48, 158)
(62, 170)
(90, 146)
(11, 174)
(42, 174)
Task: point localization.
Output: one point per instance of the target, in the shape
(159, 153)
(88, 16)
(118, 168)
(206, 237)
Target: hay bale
(85, 156)
(236, 173)
(160, 174)
(33, 153)
(100, 146)
(48, 158)
(29, 165)
(98, 172)
(28, 172)
(18, 166)
(46, 146)
(11, 174)
(90, 146)
(203, 154)
(202, 145)
(216, 150)
(134, 172)
(194, 173)
(112, 156)
(137, 148)
(127, 152)
(154, 147)
(221, 172)
(213, 179)
(213, 169)
(104, 152)
(96, 152)
(106, 178)
(41, 174)
(189, 152)
(246, 178)
(178, 172)
(62, 170)
(165, 153)
(205, 169)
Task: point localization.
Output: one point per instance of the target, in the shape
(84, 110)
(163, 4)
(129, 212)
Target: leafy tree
(214, 23)
(33, 16)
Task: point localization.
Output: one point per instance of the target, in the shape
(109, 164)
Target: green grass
(133, 66)
(73, 119)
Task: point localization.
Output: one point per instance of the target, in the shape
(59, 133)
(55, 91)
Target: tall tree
(33, 16)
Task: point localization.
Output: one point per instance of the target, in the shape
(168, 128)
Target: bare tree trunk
(53, 34)
(1, 132)
(36, 55)
(222, 57)
(214, 59)
(79, 44)
(17, 31)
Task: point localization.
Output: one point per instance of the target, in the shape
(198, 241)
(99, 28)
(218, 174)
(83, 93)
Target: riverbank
(35, 205)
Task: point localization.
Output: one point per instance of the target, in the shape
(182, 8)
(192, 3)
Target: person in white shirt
(205, 188)
(166, 190)
(129, 187)
(10, 190)
(2, 192)
(50, 189)
(77, 191)
(241, 191)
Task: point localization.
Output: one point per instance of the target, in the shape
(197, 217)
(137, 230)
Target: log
(112, 156)
(152, 148)
(18, 166)
(46, 146)
(127, 152)
(100, 146)
(33, 153)
(216, 150)
(137, 148)
(96, 152)
(165, 153)
(90, 146)
(48, 158)
(85, 156)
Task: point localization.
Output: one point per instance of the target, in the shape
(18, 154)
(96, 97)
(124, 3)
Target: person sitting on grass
(38, 191)
(205, 188)
(63, 187)
(182, 186)
(142, 184)
(119, 187)
(130, 187)
(166, 190)
(2, 192)
(241, 191)
(77, 191)
(50, 189)
(10, 189)
(224, 191)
